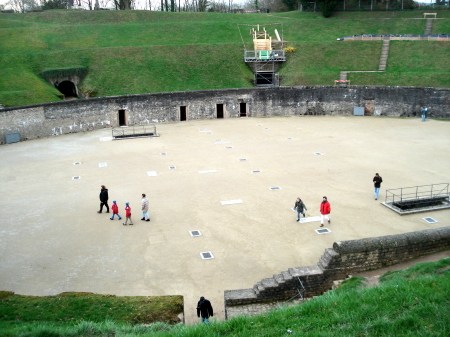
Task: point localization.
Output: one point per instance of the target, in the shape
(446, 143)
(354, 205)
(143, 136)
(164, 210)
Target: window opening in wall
(243, 109)
(123, 118)
(219, 108)
(183, 113)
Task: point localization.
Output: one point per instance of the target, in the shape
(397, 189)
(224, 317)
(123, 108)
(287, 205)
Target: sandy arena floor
(52, 239)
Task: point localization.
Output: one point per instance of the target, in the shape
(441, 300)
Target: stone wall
(51, 119)
(346, 257)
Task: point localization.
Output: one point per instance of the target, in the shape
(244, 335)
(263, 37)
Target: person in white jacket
(144, 208)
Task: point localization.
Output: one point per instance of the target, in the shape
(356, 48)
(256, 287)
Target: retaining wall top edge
(249, 89)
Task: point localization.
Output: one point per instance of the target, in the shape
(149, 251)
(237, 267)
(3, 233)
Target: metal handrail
(419, 192)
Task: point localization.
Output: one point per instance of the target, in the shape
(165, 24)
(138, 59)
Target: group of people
(325, 207)
(115, 208)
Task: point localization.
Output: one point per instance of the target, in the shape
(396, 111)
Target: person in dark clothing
(204, 309)
(103, 199)
(377, 180)
(300, 208)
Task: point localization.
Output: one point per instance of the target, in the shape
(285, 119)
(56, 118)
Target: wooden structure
(263, 58)
(429, 14)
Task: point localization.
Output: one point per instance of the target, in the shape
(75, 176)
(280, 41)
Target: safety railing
(134, 131)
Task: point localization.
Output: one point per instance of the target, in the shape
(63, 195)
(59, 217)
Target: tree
(291, 4)
(56, 4)
(327, 7)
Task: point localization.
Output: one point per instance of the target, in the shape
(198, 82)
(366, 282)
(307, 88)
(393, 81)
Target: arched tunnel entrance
(67, 88)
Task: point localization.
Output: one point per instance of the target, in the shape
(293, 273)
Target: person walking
(204, 308)
(128, 214)
(144, 208)
(103, 199)
(377, 180)
(300, 208)
(325, 209)
(115, 211)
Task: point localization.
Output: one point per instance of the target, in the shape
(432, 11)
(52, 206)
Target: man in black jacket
(103, 199)
(377, 180)
(205, 309)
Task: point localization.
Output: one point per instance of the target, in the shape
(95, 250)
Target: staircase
(384, 55)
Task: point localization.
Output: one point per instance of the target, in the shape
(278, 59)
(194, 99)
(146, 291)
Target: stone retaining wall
(52, 119)
(346, 257)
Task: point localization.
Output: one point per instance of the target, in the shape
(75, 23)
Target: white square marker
(323, 231)
(274, 188)
(208, 171)
(266, 128)
(289, 138)
(228, 147)
(102, 164)
(231, 202)
(172, 167)
(163, 154)
(430, 220)
(195, 233)
(318, 154)
(151, 173)
(207, 255)
(242, 159)
(256, 171)
(310, 219)
(76, 178)
(77, 163)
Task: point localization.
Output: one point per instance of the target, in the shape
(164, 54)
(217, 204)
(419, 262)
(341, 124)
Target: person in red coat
(115, 210)
(325, 209)
(128, 214)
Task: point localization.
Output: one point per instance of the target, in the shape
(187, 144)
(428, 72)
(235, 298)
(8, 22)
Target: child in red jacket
(115, 210)
(127, 214)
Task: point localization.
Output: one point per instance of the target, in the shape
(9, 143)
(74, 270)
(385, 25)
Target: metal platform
(134, 131)
(416, 199)
(261, 56)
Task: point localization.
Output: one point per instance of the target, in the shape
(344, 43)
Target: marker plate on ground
(195, 233)
(430, 220)
(207, 255)
(151, 173)
(208, 171)
(231, 202)
(102, 164)
(323, 231)
(310, 219)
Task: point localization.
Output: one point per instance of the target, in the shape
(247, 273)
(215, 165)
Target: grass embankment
(411, 302)
(67, 310)
(132, 52)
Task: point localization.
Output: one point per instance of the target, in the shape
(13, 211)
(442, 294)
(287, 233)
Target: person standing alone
(204, 309)
(144, 208)
(103, 199)
(377, 180)
(325, 209)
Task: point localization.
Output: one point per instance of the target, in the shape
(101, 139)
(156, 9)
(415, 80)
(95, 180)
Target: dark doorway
(183, 113)
(242, 109)
(123, 118)
(219, 108)
(263, 78)
(67, 88)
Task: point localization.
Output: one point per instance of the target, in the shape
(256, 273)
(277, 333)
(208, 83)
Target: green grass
(132, 52)
(411, 302)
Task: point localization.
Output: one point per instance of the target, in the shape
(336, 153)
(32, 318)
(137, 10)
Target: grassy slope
(411, 302)
(130, 52)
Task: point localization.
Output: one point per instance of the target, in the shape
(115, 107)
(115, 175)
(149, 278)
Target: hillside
(133, 52)
(410, 302)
